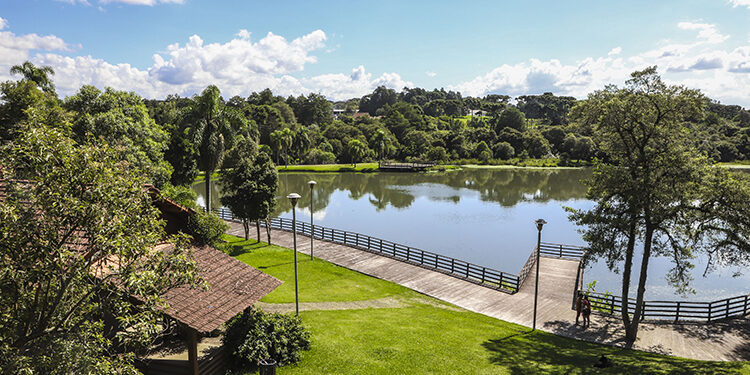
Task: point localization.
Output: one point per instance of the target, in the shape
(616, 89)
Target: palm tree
(357, 151)
(214, 125)
(38, 75)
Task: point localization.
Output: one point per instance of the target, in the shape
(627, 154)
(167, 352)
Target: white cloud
(703, 64)
(740, 3)
(237, 67)
(706, 32)
(430, 74)
(358, 83)
(15, 49)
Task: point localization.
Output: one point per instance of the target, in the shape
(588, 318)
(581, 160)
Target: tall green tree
(121, 119)
(39, 75)
(655, 195)
(77, 246)
(356, 150)
(249, 190)
(214, 125)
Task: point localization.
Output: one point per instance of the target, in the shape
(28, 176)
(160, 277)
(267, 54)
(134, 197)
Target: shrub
(206, 228)
(255, 335)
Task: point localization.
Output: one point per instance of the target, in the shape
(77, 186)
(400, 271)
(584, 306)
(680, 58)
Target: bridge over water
(512, 300)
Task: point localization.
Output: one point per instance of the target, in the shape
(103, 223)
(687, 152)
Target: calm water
(484, 216)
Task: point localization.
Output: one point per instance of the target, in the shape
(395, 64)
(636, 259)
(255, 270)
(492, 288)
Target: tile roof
(233, 287)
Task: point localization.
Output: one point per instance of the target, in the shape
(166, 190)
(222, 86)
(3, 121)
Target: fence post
(709, 311)
(453, 263)
(677, 315)
(643, 311)
(561, 251)
(611, 304)
(483, 269)
(727, 313)
(467, 270)
(407, 252)
(421, 257)
(368, 242)
(344, 237)
(356, 239)
(381, 245)
(744, 307)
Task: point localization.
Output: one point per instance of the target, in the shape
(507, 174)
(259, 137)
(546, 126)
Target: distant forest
(441, 126)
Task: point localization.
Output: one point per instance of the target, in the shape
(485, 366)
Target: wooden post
(744, 307)
(560, 251)
(677, 315)
(727, 315)
(453, 264)
(709, 311)
(192, 344)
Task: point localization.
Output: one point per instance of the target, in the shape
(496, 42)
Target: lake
(484, 216)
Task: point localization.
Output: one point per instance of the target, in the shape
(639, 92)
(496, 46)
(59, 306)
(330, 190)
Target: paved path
(717, 341)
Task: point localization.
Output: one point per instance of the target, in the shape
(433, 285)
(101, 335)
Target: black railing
(675, 311)
(477, 274)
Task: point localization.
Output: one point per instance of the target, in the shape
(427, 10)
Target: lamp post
(312, 211)
(539, 224)
(294, 197)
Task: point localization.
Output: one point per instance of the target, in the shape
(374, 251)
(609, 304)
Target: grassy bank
(427, 336)
(360, 167)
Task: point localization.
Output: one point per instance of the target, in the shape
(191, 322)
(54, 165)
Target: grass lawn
(427, 336)
(360, 167)
(319, 281)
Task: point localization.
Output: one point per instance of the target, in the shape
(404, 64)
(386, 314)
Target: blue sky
(344, 49)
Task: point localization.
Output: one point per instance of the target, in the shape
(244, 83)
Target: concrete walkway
(729, 341)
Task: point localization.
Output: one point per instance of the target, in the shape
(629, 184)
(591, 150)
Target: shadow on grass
(541, 353)
(236, 248)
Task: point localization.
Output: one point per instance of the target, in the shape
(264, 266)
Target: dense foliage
(77, 244)
(255, 335)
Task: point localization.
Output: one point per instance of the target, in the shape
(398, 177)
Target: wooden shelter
(233, 286)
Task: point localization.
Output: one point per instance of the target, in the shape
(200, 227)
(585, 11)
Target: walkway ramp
(718, 341)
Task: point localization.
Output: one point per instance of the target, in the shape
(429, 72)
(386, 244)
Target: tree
(653, 191)
(356, 150)
(511, 117)
(213, 126)
(121, 119)
(382, 143)
(38, 75)
(77, 246)
(249, 190)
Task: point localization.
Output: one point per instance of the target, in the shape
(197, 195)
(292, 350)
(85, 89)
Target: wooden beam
(192, 344)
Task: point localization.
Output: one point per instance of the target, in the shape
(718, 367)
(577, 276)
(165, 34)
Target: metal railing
(675, 311)
(461, 269)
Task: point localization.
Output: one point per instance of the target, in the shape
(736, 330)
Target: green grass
(319, 281)
(360, 167)
(427, 336)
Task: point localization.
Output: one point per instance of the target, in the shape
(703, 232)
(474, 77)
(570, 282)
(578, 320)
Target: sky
(345, 49)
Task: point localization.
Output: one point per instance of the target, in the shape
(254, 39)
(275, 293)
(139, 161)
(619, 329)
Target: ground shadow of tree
(542, 353)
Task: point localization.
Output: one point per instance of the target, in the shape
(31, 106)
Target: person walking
(579, 302)
(586, 309)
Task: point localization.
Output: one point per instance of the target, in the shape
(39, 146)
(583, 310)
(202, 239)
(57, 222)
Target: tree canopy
(77, 240)
(656, 194)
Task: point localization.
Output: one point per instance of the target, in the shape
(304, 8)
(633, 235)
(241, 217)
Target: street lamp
(312, 211)
(539, 224)
(294, 197)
